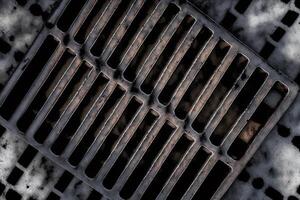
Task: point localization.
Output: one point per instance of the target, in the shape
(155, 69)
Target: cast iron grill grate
(144, 99)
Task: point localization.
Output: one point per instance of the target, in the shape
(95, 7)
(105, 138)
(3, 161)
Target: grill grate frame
(114, 77)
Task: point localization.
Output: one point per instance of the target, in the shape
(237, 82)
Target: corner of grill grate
(144, 99)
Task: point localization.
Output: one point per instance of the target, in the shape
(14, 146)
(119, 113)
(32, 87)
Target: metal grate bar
(228, 81)
(89, 132)
(81, 132)
(200, 178)
(181, 180)
(126, 35)
(73, 103)
(155, 155)
(136, 137)
(143, 34)
(27, 78)
(246, 115)
(122, 140)
(105, 131)
(227, 101)
(78, 116)
(136, 16)
(36, 86)
(256, 81)
(53, 97)
(111, 26)
(184, 84)
(177, 57)
(139, 152)
(212, 83)
(164, 52)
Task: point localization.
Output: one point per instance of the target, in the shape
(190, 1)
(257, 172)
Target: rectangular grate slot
(242, 5)
(130, 148)
(145, 163)
(63, 181)
(238, 106)
(59, 107)
(53, 196)
(206, 71)
(212, 182)
(189, 174)
(94, 196)
(166, 170)
(27, 156)
(78, 116)
(257, 121)
(110, 142)
(185, 64)
(226, 83)
(69, 15)
(45, 91)
(13, 195)
(93, 130)
(149, 43)
(110, 27)
(127, 39)
(167, 54)
(28, 76)
(14, 176)
(90, 22)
